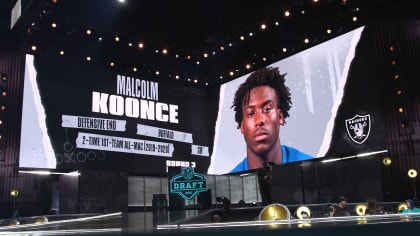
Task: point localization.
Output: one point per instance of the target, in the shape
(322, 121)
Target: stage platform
(194, 222)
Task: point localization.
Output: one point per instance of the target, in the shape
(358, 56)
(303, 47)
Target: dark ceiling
(188, 30)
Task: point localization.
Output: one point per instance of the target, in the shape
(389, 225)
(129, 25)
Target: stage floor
(194, 222)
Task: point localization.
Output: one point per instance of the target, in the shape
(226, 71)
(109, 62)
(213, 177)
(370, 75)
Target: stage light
(401, 207)
(3, 77)
(263, 26)
(386, 161)
(303, 212)
(274, 211)
(14, 223)
(412, 173)
(14, 193)
(41, 219)
(360, 209)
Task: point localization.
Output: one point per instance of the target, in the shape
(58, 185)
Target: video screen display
(320, 80)
(78, 116)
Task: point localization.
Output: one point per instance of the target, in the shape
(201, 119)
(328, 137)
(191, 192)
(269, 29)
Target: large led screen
(327, 116)
(80, 116)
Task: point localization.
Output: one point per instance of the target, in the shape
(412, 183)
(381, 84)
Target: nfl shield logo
(358, 128)
(187, 173)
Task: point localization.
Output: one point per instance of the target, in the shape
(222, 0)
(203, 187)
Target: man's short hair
(266, 76)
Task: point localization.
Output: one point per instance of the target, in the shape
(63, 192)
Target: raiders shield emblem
(358, 128)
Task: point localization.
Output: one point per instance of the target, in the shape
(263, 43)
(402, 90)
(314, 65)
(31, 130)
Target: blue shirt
(414, 210)
(289, 155)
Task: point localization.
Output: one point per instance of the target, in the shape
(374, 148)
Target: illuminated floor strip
(370, 219)
(49, 223)
(62, 232)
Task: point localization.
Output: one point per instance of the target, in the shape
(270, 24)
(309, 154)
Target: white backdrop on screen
(316, 78)
(35, 146)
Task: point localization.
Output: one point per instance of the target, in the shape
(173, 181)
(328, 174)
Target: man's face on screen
(261, 121)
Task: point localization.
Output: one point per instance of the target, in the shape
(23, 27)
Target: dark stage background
(317, 182)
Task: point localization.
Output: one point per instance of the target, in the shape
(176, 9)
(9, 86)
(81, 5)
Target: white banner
(156, 132)
(82, 122)
(119, 144)
(200, 150)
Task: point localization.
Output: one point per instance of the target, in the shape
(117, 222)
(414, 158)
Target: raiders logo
(358, 128)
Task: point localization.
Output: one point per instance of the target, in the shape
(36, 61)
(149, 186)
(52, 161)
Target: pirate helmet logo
(358, 128)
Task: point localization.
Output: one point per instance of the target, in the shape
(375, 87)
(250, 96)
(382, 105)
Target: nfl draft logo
(358, 128)
(188, 184)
